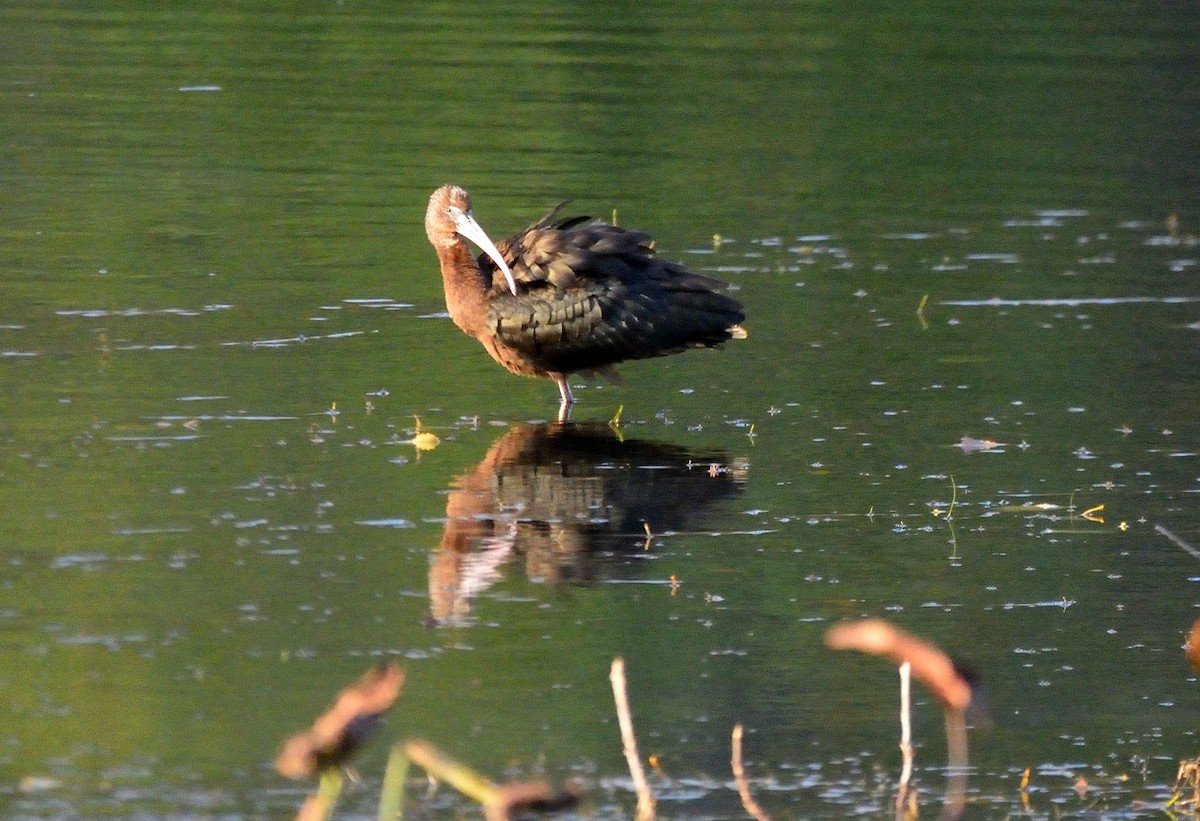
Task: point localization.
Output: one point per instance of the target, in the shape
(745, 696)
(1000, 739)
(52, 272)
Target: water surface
(965, 239)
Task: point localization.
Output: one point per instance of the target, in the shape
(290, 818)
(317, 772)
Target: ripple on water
(100, 313)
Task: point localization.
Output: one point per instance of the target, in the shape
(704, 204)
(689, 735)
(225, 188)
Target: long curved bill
(466, 225)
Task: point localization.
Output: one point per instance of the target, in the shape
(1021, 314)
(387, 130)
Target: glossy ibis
(571, 294)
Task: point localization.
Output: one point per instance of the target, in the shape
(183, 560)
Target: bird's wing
(525, 251)
(548, 321)
(602, 321)
(557, 250)
(592, 294)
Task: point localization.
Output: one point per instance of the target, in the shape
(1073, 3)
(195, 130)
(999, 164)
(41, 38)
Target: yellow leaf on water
(425, 441)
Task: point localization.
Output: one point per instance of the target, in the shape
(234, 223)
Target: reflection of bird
(569, 294)
(560, 495)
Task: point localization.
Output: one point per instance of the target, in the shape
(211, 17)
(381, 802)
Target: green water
(219, 316)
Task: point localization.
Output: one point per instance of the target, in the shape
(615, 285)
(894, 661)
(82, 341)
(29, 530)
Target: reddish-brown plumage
(569, 295)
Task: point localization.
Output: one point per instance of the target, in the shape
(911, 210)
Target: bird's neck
(466, 288)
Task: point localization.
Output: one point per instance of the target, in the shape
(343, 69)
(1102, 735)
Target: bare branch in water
(937, 672)
(739, 776)
(645, 805)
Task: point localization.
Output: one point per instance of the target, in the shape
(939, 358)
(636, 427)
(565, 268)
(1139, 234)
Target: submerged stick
(1178, 542)
(527, 795)
(498, 800)
(739, 777)
(956, 764)
(444, 768)
(645, 805)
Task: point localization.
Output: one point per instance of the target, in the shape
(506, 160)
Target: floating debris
(970, 444)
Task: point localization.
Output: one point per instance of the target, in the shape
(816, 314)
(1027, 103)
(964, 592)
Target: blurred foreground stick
(336, 735)
(499, 801)
(341, 731)
(938, 673)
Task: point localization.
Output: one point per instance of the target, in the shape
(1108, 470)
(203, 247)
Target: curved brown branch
(931, 666)
(936, 671)
(739, 776)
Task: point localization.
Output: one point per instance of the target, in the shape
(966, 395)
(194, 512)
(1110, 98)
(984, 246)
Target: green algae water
(966, 243)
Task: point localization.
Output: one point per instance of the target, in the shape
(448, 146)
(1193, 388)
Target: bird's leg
(564, 390)
(568, 399)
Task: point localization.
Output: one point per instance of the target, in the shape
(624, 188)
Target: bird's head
(448, 220)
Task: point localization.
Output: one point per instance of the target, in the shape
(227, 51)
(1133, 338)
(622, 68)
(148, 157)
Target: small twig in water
(645, 805)
(906, 748)
(950, 518)
(921, 312)
(1188, 777)
(739, 776)
(956, 764)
